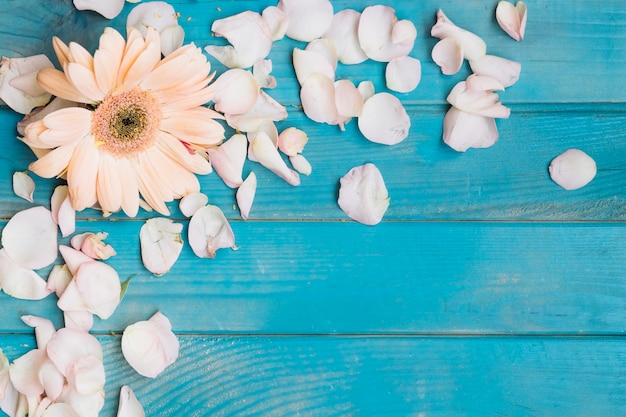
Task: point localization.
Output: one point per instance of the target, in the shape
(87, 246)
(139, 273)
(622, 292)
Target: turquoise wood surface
(486, 291)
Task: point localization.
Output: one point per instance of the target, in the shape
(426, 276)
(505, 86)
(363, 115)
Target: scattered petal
(307, 62)
(301, 164)
(18, 84)
(109, 9)
(380, 37)
(30, 238)
(363, 195)
(318, 99)
(308, 19)
(44, 329)
(343, 31)
(172, 38)
(129, 406)
(161, 244)
(73, 258)
(68, 346)
(326, 48)
(236, 91)
(573, 169)
(62, 211)
(23, 185)
(245, 195)
(228, 159)
(58, 279)
(150, 346)
(265, 109)
(476, 96)
(209, 231)
(463, 130)
(92, 245)
(190, 203)
(261, 72)
(162, 17)
(512, 19)
(348, 100)
(20, 282)
(448, 54)
(277, 21)
(472, 45)
(403, 74)
(291, 141)
(366, 88)
(504, 70)
(267, 155)
(384, 120)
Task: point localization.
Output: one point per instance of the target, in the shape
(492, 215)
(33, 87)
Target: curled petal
(291, 141)
(343, 32)
(245, 195)
(463, 130)
(266, 109)
(228, 159)
(363, 195)
(475, 96)
(209, 231)
(403, 74)
(24, 373)
(58, 279)
(129, 406)
(379, 37)
(267, 155)
(308, 19)
(172, 38)
(512, 19)
(261, 72)
(30, 238)
(301, 164)
(20, 282)
(472, 45)
(150, 346)
(277, 20)
(19, 88)
(86, 375)
(161, 243)
(92, 245)
(573, 169)
(236, 91)
(161, 16)
(504, 70)
(44, 329)
(306, 62)
(318, 99)
(384, 119)
(448, 54)
(23, 185)
(108, 9)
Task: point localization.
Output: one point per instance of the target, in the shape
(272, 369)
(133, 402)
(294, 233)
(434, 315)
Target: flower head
(139, 127)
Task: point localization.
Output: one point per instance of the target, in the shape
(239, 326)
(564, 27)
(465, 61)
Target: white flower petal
(161, 244)
(307, 62)
(73, 258)
(267, 155)
(18, 85)
(156, 14)
(277, 21)
(108, 9)
(236, 91)
(308, 19)
(209, 231)
(475, 96)
(60, 410)
(318, 99)
(30, 238)
(462, 130)
(384, 119)
(265, 109)
(504, 70)
(190, 203)
(363, 195)
(44, 329)
(68, 346)
(129, 406)
(245, 195)
(448, 54)
(472, 45)
(228, 159)
(83, 405)
(403, 74)
(92, 245)
(573, 169)
(366, 89)
(301, 164)
(291, 141)
(377, 37)
(78, 320)
(343, 31)
(23, 185)
(261, 71)
(24, 372)
(326, 48)
(172, 38)
(512, 19)
(150, 346)
(58, 279)
(63, 212)
(348, 100)
(86, 375)
(267, 128)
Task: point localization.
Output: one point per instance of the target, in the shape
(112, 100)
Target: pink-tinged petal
(19, 88)
(512, 19)
(366, 89)
(363, 195)
(376, 34)
(245, 195)
(573, 169)
(56, 83)
(110, 184)
(52, 380)
(85, 82)
(161, 244)
(267, 155)
(348, 100)
(267, 128)
(190, 203)
(83, 405)
(472, 45)
(30, 238)
(146, 60)
(326, 48)
(78, 320)
(109, 9)
(24, 372)
(318, 99)
(250, 39)
(60, 410)
(86, 375)
(53, 163)
(5, 380)
(209, 231)
(301, 164)
(195, 126)
(129, 406)
(403, 74)
(62, 211)
(462, 130)
(23, 185)
(156, 14)
(236, 91)
(384, 119)
(343, 32)
(58, 279)
(73, 258)
(40, 112)
(82, 173)
(178, 152)
(448, 54)
(20, 282)
(172, 38)
(261, 72)
(277, 21)
(475, 96)
(307, 63)
(291, 141)
(14, 404)
(92, 245)
(265, 109)
(44, 329)
(228, 159)
(150, 346)
(68, 346)
(504, 70)
(308, 19)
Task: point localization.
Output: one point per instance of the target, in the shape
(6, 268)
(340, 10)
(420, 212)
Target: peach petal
(150, 346)
(250, 40)
(267, 155)
(245, 195)
(23, 185)
(512, 19)
(236, 91)
(343, 32)
(265, 109)
(376, 34)
(209, 231)
(301, 164)
(56, 83)
(384, 119)
(363, 195)
(308, 19)
(277, 21)
(58, 279)
(463, 130)
(307, 62)
(161, 243)
(129, 406)
(109, 9)
(504, 70)
(348, 100)
(19, 88)
(20, 282)
(30, 238)
(62, 211)
(291, 141)
(190, 203)
(85, 82)
(261, 72)
(472, 45)
(318, 99)
(403, 74)
(573, 169)
(448, 54)
(78, 320)
(228, 159)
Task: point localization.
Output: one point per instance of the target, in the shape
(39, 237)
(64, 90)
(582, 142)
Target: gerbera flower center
(126, 123)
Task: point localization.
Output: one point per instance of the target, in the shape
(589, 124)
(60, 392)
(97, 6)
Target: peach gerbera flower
(139, 127)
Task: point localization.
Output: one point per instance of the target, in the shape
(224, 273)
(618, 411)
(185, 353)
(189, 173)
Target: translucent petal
(291, 141)
(326, 48)
(67, 346)
(376, 30)
(44, 329)
(209, 231)
(512, 19)
(129, 406)
(384, 119)
(462, 130)
(265, 109)
(236, 91)
(23, 185)
(20, 282)
(261, 71)
(472, 45)
(277, 21)
(228, 159)
(474, 96)
(403, 74)
(363, 195)
(504, 70)
(318, 99)
(573, 169)
(86, 375)
(172, 38)
(308, 19)
(58, 279)
(19, 88)
(245, 195)
(161, 244)
(267, 155)
(448, 54)
(301, 164)
(30, 238)
(108, 9)
(343, 31)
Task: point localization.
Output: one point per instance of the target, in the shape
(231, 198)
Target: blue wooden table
(486, 291)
